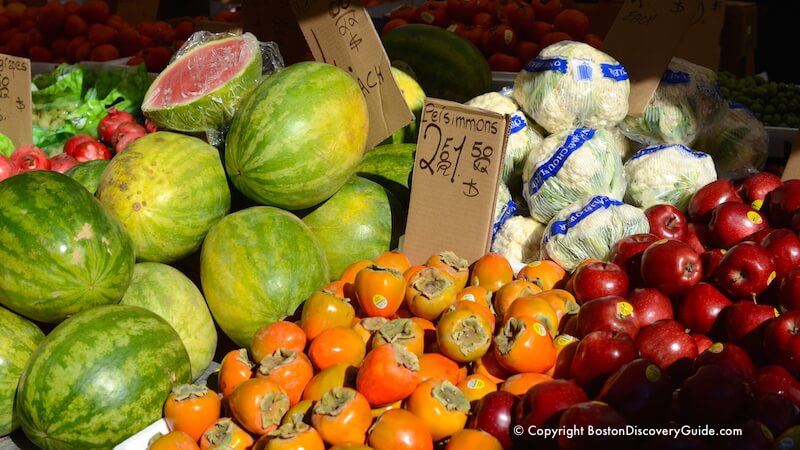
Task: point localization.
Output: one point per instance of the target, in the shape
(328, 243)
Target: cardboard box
(739, 38)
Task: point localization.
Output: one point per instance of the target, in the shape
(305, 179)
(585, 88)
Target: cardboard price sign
(701, 43)
(645, 36)
(16, 116)
(455, 180)
(340, 32)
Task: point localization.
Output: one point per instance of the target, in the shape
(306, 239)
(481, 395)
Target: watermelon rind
(298, 136)
(167, 189)
(61, 251)
(99, 377)
(256, 266)
(213, 110)
(19, 337)
(88, 173)
(169, 293)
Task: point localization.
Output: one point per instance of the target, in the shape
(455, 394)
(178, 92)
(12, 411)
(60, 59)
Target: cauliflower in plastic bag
(504, 207)
(570, 165)
(669, 173)
(588, 228)
(687, 100)
(738, 143)
(572, 84)
(519, 239)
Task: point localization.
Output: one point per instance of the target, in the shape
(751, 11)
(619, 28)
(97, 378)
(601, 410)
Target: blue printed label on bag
(506, 91)
(596, 203)
(671, 77)
(614, 71)
(546, 64)
(510, 209)
(516, 124)
(658, 148)
(550, 168)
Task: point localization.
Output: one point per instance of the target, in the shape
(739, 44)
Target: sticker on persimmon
(476, 384)
(468, 297)
(539, 329)
(380, 301)
(755, 217)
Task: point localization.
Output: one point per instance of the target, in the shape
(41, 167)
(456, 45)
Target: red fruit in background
(671, 266)
(598, 279)
(105, 52)
(667, 344)
(573, 22)
(7, 167)
(29, 158)
(392, 24)
(494, 414)
(775, 379)
(433, 13)
(462, 10)
(91, 150)
(526, 51)
(627, 253)
(546, 10)
(745, 271)
(544, 402)
(701, 309)
(490, 6)
(709, 197)
(650, 305)
(729, 355)
(703, 342)
(782, 341)
(754, 189)
(782, 202)
(484, 20)
(156, 58)
(554, 37)
(785, 248)
(501, 62)
(667, 222)
(537, 31)
(150, 126)
(715, 396)
(469, 32)
(126, 133)
(95, 11)
(789, 291)
(499, 39)
(640, 390)
(75, 25)
(100, 34)
(108, 125)
(611, 313)
(593, 40)
(518, 14)
(598, 355)
(184, 29)
(62, 162)
(592, 415)
(746, 321)
(732, 222)
(72, 143)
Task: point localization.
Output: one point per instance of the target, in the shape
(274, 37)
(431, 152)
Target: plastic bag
(570, 165)
(572, 84)
(686, 101)
(738, 143)
(519, 239)
(204, 83)
(669, 173)
(588, 228)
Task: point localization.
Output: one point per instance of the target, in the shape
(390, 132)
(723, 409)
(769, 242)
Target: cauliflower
(687, 100)
(572, 84)
(669, 173)
(522, 138)
(738, 143)
(588, 228)
(570, 165)
(519, 239)
(622, 144)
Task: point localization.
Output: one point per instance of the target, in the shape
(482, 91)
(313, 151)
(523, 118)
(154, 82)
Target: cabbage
(588, 228)
(572, 84)
(570, 165)
(519, 239)
(738, 143)
(669, 173)
(687, 100)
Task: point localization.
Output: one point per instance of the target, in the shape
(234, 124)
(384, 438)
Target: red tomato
(593, 40)
(490, 6)
(389, 374)
(573, 22)
(554, 37)
(499, 39)
(29, 158)
(546, 10)
(471, 33)
(404, 12)
(519, 14)
(433, 12)
(191, 408)
(392, 24)
(484, 20)
(526, 51)
(399, 429)
(462, 10)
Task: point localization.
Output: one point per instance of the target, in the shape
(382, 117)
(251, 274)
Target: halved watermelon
(199, 90)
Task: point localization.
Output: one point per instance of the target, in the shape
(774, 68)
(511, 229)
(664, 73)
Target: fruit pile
(508, 33)
(775, 104)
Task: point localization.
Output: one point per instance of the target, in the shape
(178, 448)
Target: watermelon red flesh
(100, 377)
(61, 251)
(18, 339)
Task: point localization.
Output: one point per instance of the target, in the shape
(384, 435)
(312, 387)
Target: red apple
(7, 167)
(612, 313)
(754, 189)
(62, 162)
(494, 414)
(598, 279)
(667, 344)
(789, 290)
(775, 411)
(667, 222)
(91, 150)
(703, 342)
(746, 321)
(598, 355)
(708, 197)
(795, 222)
(729, 355)
(753, 435)
(561, 369)
(710, 259)
(782, 341)
(627, 253)
(29, 158)
(700, 309)
(650, 305)
(715, 396)
(640, 390)
(745, 271)
(784, 245)
(671, 266)
(775, 379)
(542, 406)
(732, 222)
(697, 237)
(782, 202)
(593, 415)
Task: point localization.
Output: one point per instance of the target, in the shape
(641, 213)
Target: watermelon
(173, 296)
(298, 136)
(356, 223)
(18, 339)
(99, 377)
(200, 90)
(256, 266)
(61, 251)
(414, 97)
(167, 189)
(445, 65)
(88, 173)
(390, 165)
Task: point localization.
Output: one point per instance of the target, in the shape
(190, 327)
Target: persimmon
(492, 270)
(524, 345)
(436, 365)
(441, 405)
(478, 309)
(258, 405)
(405, 332)
(469, 439)
(536, 307)
(337, 345)
(290, 369)
(457, 266)
(174, 440)
(544, 273)
(430, 292)
(477, 294)
(367, 327)
(379, 290)
(277, 335)
(399, 429)
(475, 386)
(342, 416)
(519, 383)
(349, 273)
(191, 408)
(339, 375)
(389, 374)
(324, 309)
(488, 366)
(226, 432)
(394, 259)
(463, 335)
(235, 368)
(293, 435)
(510, 292)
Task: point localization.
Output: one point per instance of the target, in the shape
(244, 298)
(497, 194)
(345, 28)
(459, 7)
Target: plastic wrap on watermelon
(588, 228)
(686, 101)
(522, 138)
(519, 239)
(201, 88)
(738, 143)
(669, 173)
(572, 84)
(570, 165)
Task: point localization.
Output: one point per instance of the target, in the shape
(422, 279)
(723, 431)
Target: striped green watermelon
(167, 189)
(390, 165)
(100, 377)
(414, 97)
(18, 339)
(298, 136)
(88, 173)
(200, 90)
(61, 251)
(444, 64)
(256, 266)
(355, 223)
(170, 294)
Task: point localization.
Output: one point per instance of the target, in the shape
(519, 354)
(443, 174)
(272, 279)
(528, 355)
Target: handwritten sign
(340, 32)
(455, 180)
(701, 44)
(16, 117)
(644, 37)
